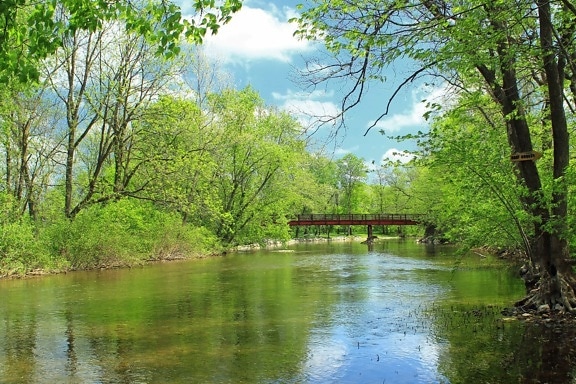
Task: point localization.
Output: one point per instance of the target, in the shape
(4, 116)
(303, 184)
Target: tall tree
(127, 78)
(252, 177)
(27, 121)
(521, 59)
(236, 168)
(352, 174)
(70, 78)
(175, 148)
(105, 83)
(466, 159)
(323, 195)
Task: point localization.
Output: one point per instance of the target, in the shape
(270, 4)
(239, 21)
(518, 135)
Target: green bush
(20, 250)
(125, 232)
(178, 240)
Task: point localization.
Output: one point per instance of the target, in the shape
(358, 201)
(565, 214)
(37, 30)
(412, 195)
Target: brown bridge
(357, 219)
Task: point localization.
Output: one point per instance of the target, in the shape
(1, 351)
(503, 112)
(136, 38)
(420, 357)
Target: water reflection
(18, 347)
(553, 359)
(331, 313)
(376, 333)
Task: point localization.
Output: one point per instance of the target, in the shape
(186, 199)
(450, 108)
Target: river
(315, 313)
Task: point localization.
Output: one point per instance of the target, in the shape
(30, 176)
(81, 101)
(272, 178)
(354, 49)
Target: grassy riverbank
(103, 238)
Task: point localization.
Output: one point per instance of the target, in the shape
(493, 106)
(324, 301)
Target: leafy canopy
(32, 30)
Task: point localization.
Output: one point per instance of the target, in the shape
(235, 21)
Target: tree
(105, 83)
(322, 195)
(203, 76)
(379, 189)
(27, 121)
(252, 181)
(522, 59)
(234, 167)
(399, 180)
(352, 173)
(176, 144)
(30, 30)
(465, 181)
(77, 59)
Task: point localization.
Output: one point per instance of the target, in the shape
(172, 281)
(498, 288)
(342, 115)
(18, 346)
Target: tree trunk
(70, 150)
(549, 250)
(557, 277)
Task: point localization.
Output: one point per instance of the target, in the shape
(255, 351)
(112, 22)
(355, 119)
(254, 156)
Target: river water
(316, 313)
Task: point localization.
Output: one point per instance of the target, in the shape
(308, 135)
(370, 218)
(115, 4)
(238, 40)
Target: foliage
(233, 168)
(124, 232)
(393, 190)
(571, 181)
(20, 252)
(352, 173)
(31, 30)
(112, 82)
(318, 189)
(468, 159)
(253, 181)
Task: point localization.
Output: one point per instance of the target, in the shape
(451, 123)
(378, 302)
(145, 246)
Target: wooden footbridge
(357, 219)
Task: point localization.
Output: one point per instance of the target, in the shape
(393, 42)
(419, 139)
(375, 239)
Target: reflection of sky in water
(377, 333)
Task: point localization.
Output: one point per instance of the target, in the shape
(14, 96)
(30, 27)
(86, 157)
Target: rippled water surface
(329, 313)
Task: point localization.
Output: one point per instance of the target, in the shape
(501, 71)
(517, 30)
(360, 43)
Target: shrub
(20, 250)
(125, 232)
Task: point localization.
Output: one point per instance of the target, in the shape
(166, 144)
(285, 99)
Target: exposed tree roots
(548, 293)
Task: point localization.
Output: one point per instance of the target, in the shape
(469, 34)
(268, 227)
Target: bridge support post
(369, 232)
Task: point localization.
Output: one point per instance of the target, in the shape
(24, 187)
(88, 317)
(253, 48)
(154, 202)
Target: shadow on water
(322, 313)
(482, 346)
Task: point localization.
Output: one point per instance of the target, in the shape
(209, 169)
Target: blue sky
(258, 48)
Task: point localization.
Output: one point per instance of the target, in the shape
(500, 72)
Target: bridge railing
(359, 217)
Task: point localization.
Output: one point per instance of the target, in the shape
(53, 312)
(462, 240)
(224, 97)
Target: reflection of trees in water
(72, 358)
(476, 343)
(481, 347)
(18, 341)
(111, 348)
(545, 354)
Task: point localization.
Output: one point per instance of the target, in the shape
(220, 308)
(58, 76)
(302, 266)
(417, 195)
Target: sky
(258, 48)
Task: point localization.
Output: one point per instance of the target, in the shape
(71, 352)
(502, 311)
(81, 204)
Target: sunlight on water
(376, 333)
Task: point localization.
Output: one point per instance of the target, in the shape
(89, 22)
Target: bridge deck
(356, 219)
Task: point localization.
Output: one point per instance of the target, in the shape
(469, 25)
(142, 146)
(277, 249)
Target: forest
(122, 143)
(113, 154)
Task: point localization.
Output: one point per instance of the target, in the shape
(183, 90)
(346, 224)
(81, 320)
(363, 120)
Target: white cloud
(421, 99)
(341, 152)
(316, 94)
(410, 118)
(256, 34)
(309, 108)
(396, 155)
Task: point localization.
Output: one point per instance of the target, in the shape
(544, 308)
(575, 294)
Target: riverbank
(272, 244)
(109, 264)
(173, 253)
